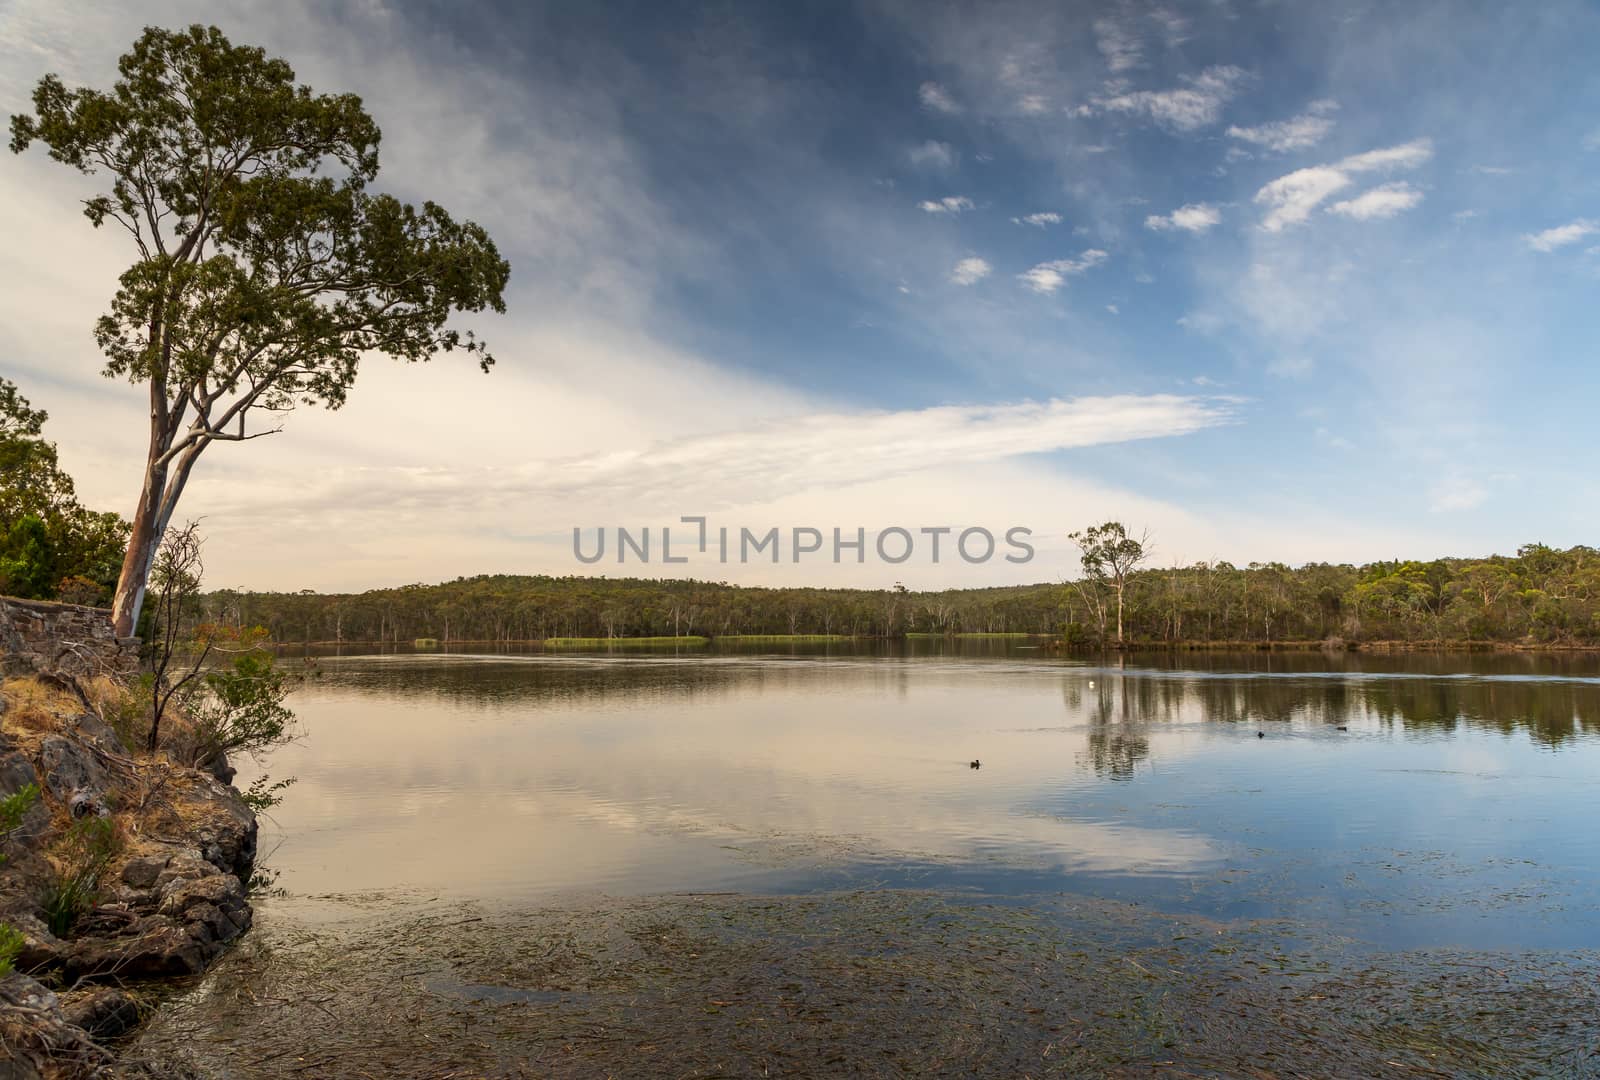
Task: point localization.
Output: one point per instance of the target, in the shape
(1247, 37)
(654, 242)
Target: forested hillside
(1539, 596)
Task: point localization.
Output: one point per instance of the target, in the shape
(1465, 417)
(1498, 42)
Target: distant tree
(1109, 557)
(264, 269)
(47, 539)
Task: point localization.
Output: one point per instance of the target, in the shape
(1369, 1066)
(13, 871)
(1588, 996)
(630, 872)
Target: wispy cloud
(1194, 105)
(935, 97)
(932, 155)
(970, 271)
(950, 204)
(1456, 492)
(1296, 133)
(829, 449)
(1290, 199)
(1118, 44)
(1383, 201)
(1562, 235)
(1047, 277)
(1194, 218)
(1040, 220)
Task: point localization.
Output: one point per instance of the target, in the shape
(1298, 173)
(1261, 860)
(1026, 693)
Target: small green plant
(262, 794)
(241, 710)
(13, 808)
(81, 859)
(11, 943)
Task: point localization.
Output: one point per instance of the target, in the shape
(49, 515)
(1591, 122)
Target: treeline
(51, 546)
(1541, 595)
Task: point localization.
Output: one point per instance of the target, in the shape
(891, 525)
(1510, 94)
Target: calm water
(1458, 808)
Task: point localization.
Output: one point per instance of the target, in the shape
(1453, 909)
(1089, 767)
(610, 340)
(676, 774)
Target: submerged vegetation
(1539, 596)
(868, 983)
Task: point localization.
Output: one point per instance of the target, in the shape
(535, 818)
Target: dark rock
(104, 1012)
(69, 766)
(142, 872)
(41, 1039)
(152, 947)
(102, 734)
(226, 830)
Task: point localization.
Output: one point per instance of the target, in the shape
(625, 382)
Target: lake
(1397, 808)
(1453, 808)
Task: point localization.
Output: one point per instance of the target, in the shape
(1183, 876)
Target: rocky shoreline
(166, 904)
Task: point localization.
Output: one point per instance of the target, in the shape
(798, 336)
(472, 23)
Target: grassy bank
(781, 639)
(620, 642)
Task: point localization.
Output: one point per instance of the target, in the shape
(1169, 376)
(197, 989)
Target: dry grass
(35, 708)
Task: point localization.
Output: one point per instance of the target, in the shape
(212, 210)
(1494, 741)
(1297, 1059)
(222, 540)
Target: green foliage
(82, 858)
(1552, 597)
(264, 268)
(241, 711)
(13, 808)
(47, 539)
(262, 794)
(11, 945)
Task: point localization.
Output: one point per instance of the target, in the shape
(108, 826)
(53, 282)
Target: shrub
(242, 710)
(13, 808)
(11, 943)
(82, 858)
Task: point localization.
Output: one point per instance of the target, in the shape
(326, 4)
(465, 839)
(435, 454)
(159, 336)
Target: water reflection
(1393, 788)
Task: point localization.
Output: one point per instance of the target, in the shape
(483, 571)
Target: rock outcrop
(167, 903)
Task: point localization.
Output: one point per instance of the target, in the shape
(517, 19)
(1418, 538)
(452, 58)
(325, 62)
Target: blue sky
(1320, 278)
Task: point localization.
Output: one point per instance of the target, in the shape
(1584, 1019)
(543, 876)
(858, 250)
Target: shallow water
(1456, 810)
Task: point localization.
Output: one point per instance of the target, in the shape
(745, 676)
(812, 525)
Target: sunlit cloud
(1040, 220)
(1296, 133)
(1562, 235)
(950, 204)
(1047, 277)
(1290, 199)
(1194, 105)
(1384, 201)
(970, 271)
(1193, 218)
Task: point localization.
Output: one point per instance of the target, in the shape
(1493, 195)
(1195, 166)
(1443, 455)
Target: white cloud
(1456, 493)
(1033, 104)
(1040, 220)
(1562, 235)
(1290, 199)
(932, 155)
(1194, 218)
(1047, 277)
(1119, 45)
(1183, 108)
(1297, 133)
(970, 271)
(950, 204)
(935, 97)
(1383, 201)
(1113, 309)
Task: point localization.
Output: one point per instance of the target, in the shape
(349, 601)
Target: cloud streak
(1298, 133)
(1562, 235)
(1290, 199)
(1192, 218)
(1196, 104)
(1047, 277)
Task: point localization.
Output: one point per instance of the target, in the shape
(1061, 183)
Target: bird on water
(976, 764)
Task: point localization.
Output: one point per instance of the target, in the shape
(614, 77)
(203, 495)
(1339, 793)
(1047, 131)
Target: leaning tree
(265, 267)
